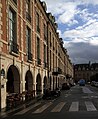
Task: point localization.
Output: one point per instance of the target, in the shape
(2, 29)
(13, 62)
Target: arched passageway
(45, 84)
(13, 77)
(29, 81)
(38, 84)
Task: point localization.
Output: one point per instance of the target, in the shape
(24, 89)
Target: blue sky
(78, 26)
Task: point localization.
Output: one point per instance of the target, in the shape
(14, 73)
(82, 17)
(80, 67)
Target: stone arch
(29, 81)
(38, 84)
(13, 77)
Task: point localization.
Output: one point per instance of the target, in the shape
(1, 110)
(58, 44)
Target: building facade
(32, 56)
(85, 71)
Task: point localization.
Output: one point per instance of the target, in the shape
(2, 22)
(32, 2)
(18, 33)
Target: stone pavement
(7, 111)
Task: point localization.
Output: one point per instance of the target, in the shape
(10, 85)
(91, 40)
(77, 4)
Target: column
(3, 92)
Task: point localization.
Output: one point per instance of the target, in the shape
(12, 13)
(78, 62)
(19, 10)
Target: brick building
(32, 56)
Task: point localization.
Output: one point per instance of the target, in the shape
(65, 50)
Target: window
(45, 32)
(28, 42)
(28, 38)
(38, 48)
(45, 55)
(53, 60)
(37, 23)
(15, 1)
(13, 31)
(12, 25)
(50, 59)
(50, 40)
(38, 51)
(53, 44)
(28, 10)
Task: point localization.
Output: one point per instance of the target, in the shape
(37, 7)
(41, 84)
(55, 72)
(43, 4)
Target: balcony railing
(30, 56)
(28, 17)
(14, 47)
(38, 61)
(57, 71)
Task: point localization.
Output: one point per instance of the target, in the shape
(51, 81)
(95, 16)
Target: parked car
(96, 84)
(65, 86)
(93, 83)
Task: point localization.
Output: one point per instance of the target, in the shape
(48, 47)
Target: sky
(78, 26)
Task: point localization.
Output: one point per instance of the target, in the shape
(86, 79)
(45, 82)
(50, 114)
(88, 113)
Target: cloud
(82, 52)
(83, 33)
(68, 12)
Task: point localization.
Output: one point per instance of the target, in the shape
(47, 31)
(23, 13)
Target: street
(80, 102)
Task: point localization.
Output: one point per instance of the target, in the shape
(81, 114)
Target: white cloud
(92, 21)
(72, 22)
(82, 34)
(94, 41)
(69, 10)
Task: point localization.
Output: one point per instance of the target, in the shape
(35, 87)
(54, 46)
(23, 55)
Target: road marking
(58, 107)
(86, 90)
(27, 109)
(41, 109)
(90, 106)
(74, 106)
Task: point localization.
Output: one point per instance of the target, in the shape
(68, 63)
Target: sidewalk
(7, 111)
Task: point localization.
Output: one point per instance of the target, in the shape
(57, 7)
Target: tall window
(28, 6)
(37, 23)
(15, 1)
(50, 59)
(12, 25)
(13, 32)
(53, 43)
(28, 40)
(50, 40)
(28, 10)
(53, 61)
(45, 32)
(45, 55)
(38, 48)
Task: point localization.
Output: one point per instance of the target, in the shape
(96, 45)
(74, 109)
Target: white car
(96, 84)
